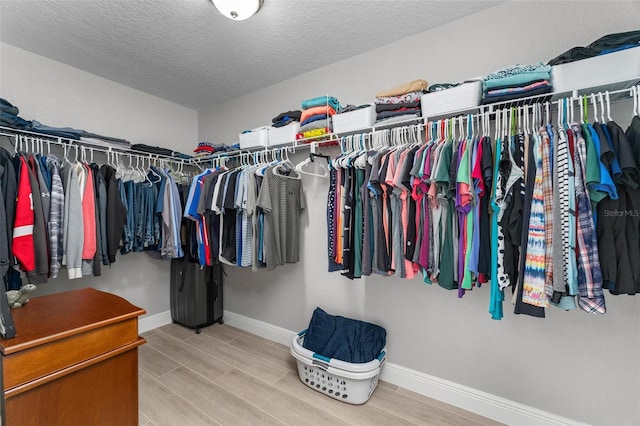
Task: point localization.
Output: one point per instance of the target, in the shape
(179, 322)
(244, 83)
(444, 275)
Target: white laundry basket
(348, 382)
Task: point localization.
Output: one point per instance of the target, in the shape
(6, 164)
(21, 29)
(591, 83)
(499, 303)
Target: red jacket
(22, 245)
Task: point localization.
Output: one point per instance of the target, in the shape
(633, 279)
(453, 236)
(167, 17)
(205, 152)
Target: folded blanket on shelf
(515, 90)
(110, 139)
(318, 124)
(517, 70)
(391, 107)
(158, 150)
(14, 121)
(315, 133)
(294, 115)
(513, 96)
(284, 121)
(412, 86)
(400, 99)
(8, 107)
(402, 111)
(316, 110)
(516, 80)
(63, 132)
(321, 101)
(314, 118)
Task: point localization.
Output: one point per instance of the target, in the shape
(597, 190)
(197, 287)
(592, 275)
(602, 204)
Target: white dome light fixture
(238, 10)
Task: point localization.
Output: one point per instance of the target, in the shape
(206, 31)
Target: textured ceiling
(188, 53)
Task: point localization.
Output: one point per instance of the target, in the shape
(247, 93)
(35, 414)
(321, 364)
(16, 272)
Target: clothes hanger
(608, 106)
(142, 175)
(602, 108)
(324, 170)
(571, 111)
(595, 108)
(560, 113)
(153, 173)
(547, 113)
(497, 134)
(505, 123)
(129, 171)
(360, 161)
(289, 167)
(487, 122)
(119, 170)
(65, 149)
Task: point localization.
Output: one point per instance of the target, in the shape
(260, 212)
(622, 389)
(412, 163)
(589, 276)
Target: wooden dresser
(74, 361)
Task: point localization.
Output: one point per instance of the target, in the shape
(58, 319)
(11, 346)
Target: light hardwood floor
(225, 376)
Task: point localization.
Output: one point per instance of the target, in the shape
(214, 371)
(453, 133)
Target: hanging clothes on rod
(547, 209)
(248, 215)
(70, 212)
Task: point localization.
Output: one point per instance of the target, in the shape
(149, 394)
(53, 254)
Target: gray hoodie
(56, 216)
(73, 228)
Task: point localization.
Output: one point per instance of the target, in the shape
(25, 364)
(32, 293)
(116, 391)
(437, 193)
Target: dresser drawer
(50, 357)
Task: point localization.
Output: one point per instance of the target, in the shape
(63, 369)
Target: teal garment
(517, 79)
(322, 101)
(567, 303)
(446, 277)
(358, 225)
(496, 298)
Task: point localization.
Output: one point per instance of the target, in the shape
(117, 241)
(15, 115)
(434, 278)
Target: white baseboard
(483, 403)
(476, 401)
(147, 323)
(259, 328)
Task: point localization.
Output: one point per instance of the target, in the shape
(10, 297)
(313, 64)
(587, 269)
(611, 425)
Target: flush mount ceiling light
(238, 10)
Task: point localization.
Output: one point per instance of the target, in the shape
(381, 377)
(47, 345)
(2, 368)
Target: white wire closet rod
(290, 147)
(492, 109)
(39, 139)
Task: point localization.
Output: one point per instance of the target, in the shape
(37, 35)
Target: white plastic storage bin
(256, 137)
(459, 98)
(284, 134)
(351, 121)
(597, 71)
(348, 382)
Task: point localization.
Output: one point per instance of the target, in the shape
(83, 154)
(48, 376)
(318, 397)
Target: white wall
(580, 366)
(62, 96)
(58, 95)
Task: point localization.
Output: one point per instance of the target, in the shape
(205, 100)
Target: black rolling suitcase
(196, 294)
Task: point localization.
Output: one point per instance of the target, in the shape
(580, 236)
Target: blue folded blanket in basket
(343, 338)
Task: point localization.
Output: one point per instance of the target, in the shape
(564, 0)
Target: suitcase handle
(183, 267)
